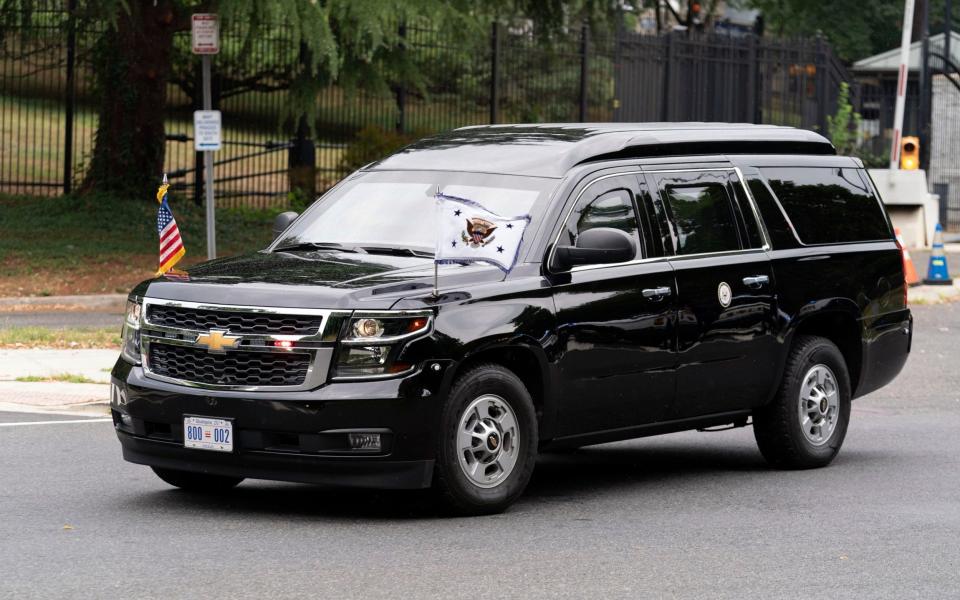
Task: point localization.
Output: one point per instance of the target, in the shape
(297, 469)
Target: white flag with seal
(467, 232)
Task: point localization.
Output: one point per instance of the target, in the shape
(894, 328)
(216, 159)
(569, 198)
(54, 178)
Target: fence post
(495, 73)
(198, 171)
(70, 97)
(821, 81)
(926, 81)
(665, 88)
(753, 98)
(401, 90)
(584, 69)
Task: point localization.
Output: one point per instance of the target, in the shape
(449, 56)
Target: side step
(741, 422)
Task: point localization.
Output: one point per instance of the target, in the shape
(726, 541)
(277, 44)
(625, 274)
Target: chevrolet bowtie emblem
(217, 341)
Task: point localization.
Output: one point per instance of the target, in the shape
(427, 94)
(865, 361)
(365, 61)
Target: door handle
(657, 293)
(756, 281)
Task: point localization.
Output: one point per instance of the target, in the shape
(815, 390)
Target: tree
(355, 43)
(358, 43)
(854, 29)
(133, 64)
(844, 127)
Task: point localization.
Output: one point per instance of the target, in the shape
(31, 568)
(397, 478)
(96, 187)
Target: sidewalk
(934, 294)
(55, 396)
(93, 302)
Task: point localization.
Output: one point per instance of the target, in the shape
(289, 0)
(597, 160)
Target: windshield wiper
(316, 246)
(396, 251)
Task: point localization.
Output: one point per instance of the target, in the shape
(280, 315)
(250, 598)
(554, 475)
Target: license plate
(205, 433)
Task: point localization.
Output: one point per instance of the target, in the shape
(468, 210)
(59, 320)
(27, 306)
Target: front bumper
(289, 436)
(279, 466)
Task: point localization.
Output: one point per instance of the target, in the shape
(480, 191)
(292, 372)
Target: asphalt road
(691, 515)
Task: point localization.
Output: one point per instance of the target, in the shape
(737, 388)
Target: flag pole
(436, 290)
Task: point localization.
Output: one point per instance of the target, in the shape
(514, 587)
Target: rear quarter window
(828, 205)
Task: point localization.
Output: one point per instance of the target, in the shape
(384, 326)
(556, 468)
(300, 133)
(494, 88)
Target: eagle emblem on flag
(479, 232)
(465, 233)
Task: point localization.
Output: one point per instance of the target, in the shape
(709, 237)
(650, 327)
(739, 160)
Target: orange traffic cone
(909, 271)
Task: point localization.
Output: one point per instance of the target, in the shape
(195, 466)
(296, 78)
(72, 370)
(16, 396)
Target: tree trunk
(132, 67)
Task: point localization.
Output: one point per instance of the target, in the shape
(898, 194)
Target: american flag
(171, 246)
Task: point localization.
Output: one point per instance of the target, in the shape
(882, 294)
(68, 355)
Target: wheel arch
(528, 361)
(842, 328)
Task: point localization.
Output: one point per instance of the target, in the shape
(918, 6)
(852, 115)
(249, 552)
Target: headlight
(371, 343)
(130, 337)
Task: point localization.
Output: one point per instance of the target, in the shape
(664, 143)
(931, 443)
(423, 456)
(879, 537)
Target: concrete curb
(90, 302)
(54, 396)
(934, 294)
(79, 410)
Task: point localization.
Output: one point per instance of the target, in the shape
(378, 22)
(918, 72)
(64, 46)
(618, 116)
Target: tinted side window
(752, 236)
(778, 229)
(602, 207)
(702, 217)
(828, 204)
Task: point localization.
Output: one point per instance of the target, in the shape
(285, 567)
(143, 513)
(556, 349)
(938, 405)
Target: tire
(197, 482)
(489, 411)
(788, 440)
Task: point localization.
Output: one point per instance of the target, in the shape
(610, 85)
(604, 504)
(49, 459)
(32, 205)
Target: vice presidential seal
(724, 294)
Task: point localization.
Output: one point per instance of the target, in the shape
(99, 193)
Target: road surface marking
(55, 422)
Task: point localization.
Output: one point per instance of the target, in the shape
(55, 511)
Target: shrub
(373, 143)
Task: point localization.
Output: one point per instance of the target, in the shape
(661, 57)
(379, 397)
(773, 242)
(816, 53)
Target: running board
(741, 422)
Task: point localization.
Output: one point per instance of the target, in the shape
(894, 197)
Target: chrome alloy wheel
(819, 404)
(488, 441)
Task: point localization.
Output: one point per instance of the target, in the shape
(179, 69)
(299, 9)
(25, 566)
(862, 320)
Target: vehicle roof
(551, 149)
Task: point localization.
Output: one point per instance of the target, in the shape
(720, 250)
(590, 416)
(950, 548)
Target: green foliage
(373, 143)
(855, 29)
(843, 127)
(354, 44)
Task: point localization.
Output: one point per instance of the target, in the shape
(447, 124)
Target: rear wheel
(806, 423)
(197, 482)
(488, 441)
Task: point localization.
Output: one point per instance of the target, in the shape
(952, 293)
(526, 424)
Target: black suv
(672, 277)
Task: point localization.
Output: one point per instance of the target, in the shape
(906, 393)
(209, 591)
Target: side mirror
(599, 246)
(283, 221)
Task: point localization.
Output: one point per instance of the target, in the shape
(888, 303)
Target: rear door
(615, 323)
(726, 303)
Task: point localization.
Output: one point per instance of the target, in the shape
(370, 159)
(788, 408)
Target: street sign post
(205, 38)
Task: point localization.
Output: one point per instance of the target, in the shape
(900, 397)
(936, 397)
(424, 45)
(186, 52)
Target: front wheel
(197, 482)
(488, 441)
(804, 426)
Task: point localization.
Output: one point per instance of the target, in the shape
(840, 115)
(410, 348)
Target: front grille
(199, 319)
(232, 369)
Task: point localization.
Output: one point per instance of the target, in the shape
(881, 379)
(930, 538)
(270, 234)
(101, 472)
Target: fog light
(364, 441)
(126, 421)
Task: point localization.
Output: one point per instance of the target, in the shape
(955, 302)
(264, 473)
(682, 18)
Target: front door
(615, 322)
(725, 334)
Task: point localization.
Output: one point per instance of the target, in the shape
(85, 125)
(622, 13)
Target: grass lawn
(65, 377)
(31, 151)
(95, 245)
(45, 337)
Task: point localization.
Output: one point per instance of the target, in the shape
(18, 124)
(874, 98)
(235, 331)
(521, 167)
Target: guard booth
(912, 209)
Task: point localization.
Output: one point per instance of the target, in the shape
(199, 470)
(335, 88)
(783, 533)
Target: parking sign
(205, 33)
(206, 130)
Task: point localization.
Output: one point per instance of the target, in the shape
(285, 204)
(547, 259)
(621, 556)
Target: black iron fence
(496, 74)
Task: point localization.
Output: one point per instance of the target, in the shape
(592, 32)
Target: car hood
(318, 279)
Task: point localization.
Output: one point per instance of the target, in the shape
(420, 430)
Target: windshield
(396, 209)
